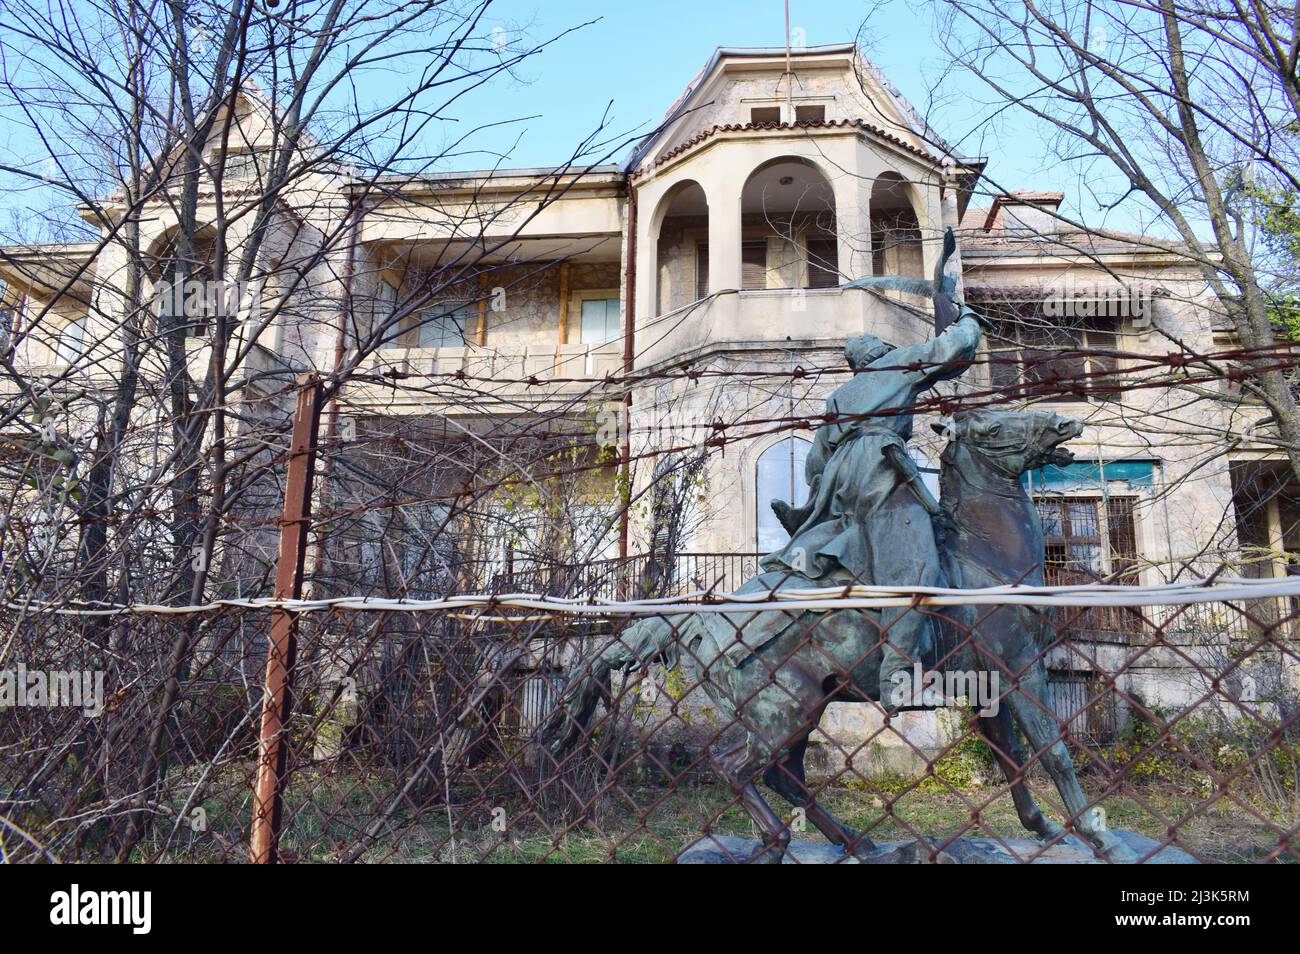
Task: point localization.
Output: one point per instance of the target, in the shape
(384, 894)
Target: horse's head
(1012, 442)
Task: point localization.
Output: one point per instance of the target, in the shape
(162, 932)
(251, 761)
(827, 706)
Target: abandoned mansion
(688, 307)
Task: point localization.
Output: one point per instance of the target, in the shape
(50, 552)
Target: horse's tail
(636, 646)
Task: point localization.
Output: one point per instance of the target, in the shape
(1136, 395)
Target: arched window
(780, 477)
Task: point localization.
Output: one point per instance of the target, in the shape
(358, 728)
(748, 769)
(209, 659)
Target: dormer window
(812, 113)
(244, 166)
(765, 115)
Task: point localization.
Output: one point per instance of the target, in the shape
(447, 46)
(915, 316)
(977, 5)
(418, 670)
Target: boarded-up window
(823, 263)
(701, 270)
(762, 115)
(810, 114)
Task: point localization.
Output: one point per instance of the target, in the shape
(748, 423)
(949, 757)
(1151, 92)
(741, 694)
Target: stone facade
(751, 204)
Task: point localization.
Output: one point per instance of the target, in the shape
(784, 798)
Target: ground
(326, 815)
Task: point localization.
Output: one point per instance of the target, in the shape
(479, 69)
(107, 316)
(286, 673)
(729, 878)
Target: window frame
(1028, 376)
(762, 507)
(420, 323)
(577, 300)
(828, 266)
(1119, 564)
(62, 356)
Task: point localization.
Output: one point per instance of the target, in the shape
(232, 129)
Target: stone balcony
(778, 318)
(477, 380)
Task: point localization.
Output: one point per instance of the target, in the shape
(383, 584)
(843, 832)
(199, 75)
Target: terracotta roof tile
(758, 127)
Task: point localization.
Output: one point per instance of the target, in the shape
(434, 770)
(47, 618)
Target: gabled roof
(908, 116)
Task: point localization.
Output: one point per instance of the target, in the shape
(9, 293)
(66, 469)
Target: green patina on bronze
(869, 520)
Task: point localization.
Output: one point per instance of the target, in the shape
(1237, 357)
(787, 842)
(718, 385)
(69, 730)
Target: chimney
(1025, 212)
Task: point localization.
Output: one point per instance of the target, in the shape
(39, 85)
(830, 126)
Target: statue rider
(869, 517)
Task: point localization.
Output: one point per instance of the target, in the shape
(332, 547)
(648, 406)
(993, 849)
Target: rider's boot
(903, 685)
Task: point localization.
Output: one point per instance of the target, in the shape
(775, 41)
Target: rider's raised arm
(946, 356)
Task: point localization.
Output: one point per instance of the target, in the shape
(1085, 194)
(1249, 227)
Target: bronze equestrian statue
(774, 672)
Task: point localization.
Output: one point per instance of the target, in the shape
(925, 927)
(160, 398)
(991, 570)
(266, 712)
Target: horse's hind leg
(1000, 734)
(1043, 735)
(786, 778)
(738, 764)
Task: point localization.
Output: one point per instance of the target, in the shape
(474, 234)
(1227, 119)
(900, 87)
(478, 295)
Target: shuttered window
(753, 263)
(823, 263)
(701, 270)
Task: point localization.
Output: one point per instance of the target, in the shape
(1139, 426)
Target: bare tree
(219, 157)
(1181, 111)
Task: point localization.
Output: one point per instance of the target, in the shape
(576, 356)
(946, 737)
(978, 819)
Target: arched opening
(779, 475)
(681, 270)
(787, 227)
(185, 288)
(895, 229)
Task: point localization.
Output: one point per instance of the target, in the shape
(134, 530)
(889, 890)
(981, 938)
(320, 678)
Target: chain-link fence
(448, 734)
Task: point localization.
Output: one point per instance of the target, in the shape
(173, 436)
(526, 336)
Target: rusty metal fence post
(268, 795)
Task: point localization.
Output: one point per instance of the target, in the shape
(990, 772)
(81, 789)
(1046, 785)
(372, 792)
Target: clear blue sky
(636, 59)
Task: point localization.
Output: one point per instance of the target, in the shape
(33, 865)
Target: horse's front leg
(739, 763)
(1000, 735)
(1032, 715)
(787, 779)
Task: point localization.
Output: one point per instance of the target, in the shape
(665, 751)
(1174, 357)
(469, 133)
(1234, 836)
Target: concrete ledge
(729, 849)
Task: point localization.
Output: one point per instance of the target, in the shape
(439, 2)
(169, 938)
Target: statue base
(729, 849)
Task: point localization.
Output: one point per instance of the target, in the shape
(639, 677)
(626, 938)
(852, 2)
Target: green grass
(326, 814)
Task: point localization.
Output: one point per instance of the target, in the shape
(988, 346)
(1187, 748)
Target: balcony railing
(541, 362)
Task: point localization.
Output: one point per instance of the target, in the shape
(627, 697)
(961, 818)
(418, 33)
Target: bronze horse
(775, 671)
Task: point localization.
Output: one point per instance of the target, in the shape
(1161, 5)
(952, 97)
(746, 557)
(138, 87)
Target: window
(823, 263)
(191, 304)
(387, 301)
(600, 321)
(929, 472)
(810, 113)
(439, 327)
(1046, 356)
(701, 270)
(1088, 539)
(385, 306)
(72, 341)
(780, 476)
(242, 166)
(763, 115)
(1072, 534)
(753, 263)
(1084, 704)
(10, 322)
